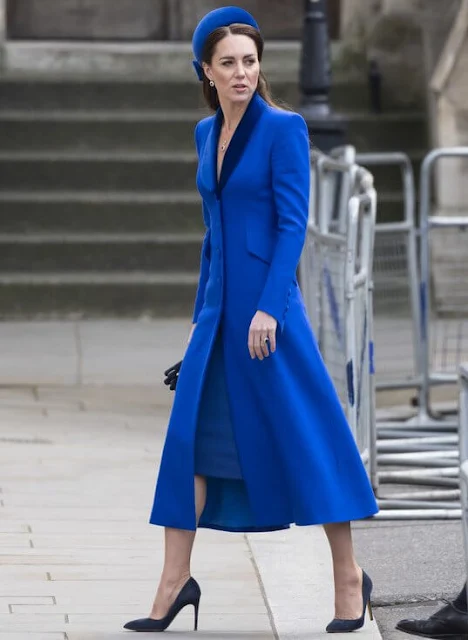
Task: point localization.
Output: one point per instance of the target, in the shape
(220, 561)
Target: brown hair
(210, 93)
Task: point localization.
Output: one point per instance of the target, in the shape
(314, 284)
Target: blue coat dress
(297, 458)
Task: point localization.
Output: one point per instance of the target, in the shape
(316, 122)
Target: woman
(257, 438)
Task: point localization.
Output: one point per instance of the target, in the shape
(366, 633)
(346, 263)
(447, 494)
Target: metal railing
(443, 293)
(422, 452)
(341, 276)
(336, 279)
(464, 454)
(396, 284)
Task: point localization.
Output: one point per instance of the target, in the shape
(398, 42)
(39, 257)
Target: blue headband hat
(223, 17)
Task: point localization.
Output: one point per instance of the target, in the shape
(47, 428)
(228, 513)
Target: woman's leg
(346, 572)
(178, 551)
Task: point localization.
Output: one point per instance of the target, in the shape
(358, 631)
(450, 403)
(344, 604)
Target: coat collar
(236, 147)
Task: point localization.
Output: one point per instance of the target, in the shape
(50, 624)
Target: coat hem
(275, 527)
(280, 527)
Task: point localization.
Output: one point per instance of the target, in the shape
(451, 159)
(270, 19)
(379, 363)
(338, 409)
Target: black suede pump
(189, 595)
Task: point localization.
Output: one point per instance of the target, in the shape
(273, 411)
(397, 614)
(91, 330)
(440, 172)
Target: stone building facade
(145, 19)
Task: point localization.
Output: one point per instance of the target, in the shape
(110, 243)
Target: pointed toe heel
(346, 626)
(189, 595)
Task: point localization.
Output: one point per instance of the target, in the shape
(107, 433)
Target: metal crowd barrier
(336, 279)
(360, 323)
(396, 284)
(420, 453)
(464, 454)
(336, 271)
(444, 294)
(423, 451)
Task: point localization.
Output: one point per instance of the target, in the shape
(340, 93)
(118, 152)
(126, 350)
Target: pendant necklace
(224, 143)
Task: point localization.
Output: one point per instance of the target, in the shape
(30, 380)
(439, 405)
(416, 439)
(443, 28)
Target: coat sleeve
(205, 252)
(291, 190)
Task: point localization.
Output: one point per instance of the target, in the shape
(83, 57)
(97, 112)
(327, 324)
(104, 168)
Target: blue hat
(223, 17)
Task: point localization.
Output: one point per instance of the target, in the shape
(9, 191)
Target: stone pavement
(82, 420)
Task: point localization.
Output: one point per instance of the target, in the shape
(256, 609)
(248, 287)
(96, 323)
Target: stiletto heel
(346, 626)
(195, 606)
(371, 613)
(189, 595)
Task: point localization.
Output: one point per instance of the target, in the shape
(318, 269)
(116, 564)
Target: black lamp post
(327, 129)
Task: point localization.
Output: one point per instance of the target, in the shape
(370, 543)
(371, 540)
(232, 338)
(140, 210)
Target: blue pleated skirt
(215, 447)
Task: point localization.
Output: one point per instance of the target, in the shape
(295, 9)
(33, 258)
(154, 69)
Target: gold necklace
(225, 142)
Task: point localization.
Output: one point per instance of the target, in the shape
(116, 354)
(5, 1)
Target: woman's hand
(262, 334)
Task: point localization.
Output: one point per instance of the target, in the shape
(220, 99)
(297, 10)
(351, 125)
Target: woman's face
(234, 68)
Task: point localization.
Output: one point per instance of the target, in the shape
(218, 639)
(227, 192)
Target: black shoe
(448, 622)
(189, 595)
(346, 626)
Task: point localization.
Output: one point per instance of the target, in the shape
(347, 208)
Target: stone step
(100, 252)
(87, 295)
(36, 95)
(95, 212)
(101, 212)
(162, 130)
(387, 132)
(151, 62)
(97, 171)
(122, 172)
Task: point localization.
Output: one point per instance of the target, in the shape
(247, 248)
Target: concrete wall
(148, 19)
(278, 19)
(357, 19)
(142, 19)
(405, 37)
(93, 19)
(2, 19)
(449, 88)
(437, 21)
(389, 32)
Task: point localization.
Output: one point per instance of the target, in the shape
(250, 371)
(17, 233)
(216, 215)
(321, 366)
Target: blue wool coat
(298, 458)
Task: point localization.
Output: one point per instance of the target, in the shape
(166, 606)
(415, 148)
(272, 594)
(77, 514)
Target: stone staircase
(99, 213)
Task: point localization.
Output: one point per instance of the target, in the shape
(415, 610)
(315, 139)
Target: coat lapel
(208, 159)
(239, 140)
(236, 147)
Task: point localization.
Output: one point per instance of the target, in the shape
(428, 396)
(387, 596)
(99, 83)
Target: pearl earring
(211, 83)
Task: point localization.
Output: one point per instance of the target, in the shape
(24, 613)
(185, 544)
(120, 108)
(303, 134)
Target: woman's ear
(207, 71)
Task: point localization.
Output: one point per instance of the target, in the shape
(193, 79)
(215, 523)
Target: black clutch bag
(172, 375)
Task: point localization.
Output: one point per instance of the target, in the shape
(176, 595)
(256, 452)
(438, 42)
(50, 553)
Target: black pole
(327, 129)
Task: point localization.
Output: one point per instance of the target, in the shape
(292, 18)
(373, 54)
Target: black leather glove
(172, 375)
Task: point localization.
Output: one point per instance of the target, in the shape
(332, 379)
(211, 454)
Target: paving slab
(81, 437)
(15, 635)
(126, 352)
(77, 555)
(38, 352)
(295, 569)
